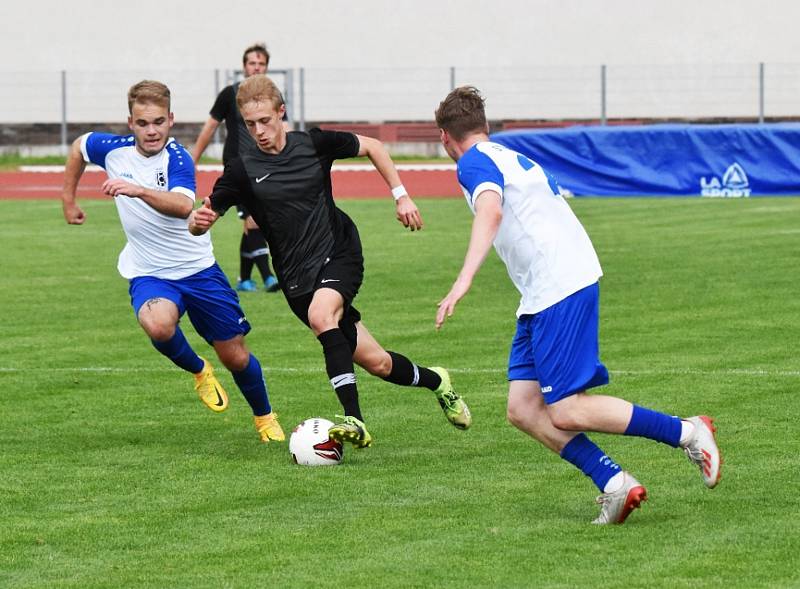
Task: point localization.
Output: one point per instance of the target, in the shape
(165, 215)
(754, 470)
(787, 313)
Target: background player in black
(253, 247)
(286, 185)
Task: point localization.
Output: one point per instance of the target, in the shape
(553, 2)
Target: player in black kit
(316, 250)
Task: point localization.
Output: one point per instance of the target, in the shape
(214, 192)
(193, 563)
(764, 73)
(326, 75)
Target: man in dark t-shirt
(253, 247)
(316, 249)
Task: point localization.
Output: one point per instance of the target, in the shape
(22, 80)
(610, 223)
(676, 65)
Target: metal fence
(598, 93)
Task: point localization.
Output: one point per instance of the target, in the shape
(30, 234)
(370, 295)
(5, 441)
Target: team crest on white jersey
(161, 178)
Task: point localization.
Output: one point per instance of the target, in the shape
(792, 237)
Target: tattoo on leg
(152, 302)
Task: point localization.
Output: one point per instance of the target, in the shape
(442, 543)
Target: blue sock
(590, 459)
(251, 382)
(180, 352)
(660, 427)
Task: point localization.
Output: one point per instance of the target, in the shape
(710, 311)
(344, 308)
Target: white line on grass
(312, 370)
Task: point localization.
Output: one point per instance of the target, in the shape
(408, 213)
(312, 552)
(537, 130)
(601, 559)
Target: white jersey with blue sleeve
(158, 245)
(546, 250)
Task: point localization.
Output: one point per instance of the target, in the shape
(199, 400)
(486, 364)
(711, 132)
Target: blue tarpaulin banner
(660, 160)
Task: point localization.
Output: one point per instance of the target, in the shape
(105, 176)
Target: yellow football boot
(268, 427)
(209, 389)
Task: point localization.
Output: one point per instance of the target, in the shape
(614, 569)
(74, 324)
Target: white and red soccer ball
(310, 444)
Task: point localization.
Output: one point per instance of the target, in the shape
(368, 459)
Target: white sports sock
(614, 483)
(687, 429)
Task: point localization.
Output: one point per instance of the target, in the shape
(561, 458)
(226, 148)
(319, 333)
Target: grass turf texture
(115, 475)
(12, 161)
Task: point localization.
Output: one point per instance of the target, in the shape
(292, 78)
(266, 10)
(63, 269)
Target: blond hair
(148, 92)
(259, 88)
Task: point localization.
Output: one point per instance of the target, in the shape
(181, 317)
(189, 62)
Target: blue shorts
(559, 347)
(208, 299)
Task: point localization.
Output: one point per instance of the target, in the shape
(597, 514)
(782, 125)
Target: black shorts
(344, 274)
(242, 212)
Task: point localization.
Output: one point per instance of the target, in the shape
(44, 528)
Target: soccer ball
(310, 444)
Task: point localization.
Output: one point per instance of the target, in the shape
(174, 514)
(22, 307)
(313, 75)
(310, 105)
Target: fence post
(63, 112)
(761, 93)
(603, 119)
(216, 93)
(302, 100)
(452, 78)
(289, 97)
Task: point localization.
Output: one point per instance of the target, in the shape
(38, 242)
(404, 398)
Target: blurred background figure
(253, 248)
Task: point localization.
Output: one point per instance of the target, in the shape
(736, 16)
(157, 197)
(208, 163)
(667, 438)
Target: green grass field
(112, 473)
(12, 161)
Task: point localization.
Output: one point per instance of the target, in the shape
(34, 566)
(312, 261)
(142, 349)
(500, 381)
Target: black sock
(245, 259)
(339, 365)
(407, 374)
(258, 248)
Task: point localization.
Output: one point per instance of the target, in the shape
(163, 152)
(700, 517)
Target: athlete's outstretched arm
(488, 215)
(73, 170)
(407, 212)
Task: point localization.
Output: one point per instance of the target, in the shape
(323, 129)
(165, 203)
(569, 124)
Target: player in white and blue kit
(170, 271)
(554, 355)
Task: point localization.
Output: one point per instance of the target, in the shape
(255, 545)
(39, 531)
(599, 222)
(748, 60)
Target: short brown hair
(259, 88)
(148, 92)
(256, 48)
(462, 113)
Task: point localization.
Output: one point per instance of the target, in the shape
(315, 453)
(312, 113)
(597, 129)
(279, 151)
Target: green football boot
(454, 407)
(351, 430)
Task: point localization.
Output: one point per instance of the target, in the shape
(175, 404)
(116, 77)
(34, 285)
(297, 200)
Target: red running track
(346, 184)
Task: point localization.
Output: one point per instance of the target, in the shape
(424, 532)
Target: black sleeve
(229, 188)
(334, 144)
(222, 105)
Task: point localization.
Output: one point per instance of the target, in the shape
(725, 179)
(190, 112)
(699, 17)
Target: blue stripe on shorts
(559, 346)
(206, 297)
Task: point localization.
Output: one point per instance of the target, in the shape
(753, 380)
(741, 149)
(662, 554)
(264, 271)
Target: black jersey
(236, 136)
(289, 196)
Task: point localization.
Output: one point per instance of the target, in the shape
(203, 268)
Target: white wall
(373, 59)
(197, 34)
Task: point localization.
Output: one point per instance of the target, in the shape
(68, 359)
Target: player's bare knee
(157, 330)
(321, 322)
(384, 366)
(234, 358)
(379, 365)
(563, 418)
(514, 413)
(236, 364)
